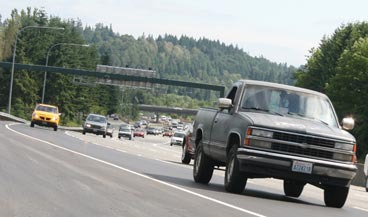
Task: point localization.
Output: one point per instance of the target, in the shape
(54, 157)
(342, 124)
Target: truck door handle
(216, 120)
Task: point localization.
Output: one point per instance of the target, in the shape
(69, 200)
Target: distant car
(125, 132)
(188, 148)
(46, 115)
(177, 138)
(152, 131)
(116, 118)
(110, 130)
(96, 124)
(137, 125)
(167, 133)
(138, 133)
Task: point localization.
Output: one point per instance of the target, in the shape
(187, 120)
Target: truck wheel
(234, 181)
(84, 132)
(32, 124)
(293, 188)
(185, 157)
(203, 166)
(55, 128)
(104, 135)
(335, 196)
(366, 184)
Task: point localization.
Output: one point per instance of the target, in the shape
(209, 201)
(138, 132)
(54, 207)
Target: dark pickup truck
(264, 129)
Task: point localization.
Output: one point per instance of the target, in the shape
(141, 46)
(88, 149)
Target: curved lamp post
(47, 62)
(14, 50)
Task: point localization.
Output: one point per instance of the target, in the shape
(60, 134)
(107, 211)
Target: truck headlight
(260, 143)
(344, 146)
(342, 157)
(88, 125)
(262, 133)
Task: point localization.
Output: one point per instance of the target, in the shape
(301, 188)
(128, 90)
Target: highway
(65, 173)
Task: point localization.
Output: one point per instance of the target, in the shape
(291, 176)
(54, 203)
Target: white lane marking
(362, 209)
(109, 147)
(141, 175)
(121, 150)
(360, 195)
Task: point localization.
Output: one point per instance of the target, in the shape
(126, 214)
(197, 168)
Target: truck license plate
(302, 167)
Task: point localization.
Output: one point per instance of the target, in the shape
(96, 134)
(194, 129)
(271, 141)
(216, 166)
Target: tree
(349, 87)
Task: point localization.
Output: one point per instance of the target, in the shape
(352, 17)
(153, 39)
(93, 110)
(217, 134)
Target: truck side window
(231, 95)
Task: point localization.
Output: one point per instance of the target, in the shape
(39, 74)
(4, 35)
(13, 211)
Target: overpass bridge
(114, 76)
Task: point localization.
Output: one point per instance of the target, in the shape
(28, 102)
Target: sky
(283, 31)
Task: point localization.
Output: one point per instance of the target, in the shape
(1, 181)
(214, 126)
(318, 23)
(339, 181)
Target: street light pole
(13, 61)
(47, 62)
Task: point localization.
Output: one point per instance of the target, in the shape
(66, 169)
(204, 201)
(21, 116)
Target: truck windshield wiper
(323, 122)
(316, 119)
(298, 114)
(263, 110)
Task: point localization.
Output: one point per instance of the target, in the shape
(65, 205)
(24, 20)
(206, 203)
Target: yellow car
(46, 115)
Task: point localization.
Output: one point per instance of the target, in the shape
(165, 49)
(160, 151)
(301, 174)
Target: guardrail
(359, 179)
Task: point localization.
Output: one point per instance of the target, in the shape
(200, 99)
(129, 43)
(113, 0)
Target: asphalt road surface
(64, 173)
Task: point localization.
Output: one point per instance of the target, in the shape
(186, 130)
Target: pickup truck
(268, 130)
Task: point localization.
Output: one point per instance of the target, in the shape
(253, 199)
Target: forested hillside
(181, 58)
(185, 58)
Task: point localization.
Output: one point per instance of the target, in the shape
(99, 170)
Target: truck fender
(233, 138)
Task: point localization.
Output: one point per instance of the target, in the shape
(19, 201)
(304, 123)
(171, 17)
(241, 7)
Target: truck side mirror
(348, 123)
(224, 103)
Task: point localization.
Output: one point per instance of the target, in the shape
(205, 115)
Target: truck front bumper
(258, 163)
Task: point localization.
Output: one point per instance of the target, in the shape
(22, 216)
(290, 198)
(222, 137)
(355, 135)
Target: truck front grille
(304, 139)
(302, 151)
(298, 144)
(95, 126)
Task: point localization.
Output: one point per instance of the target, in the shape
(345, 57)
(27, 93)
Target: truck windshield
(96, 118)
(289, 103)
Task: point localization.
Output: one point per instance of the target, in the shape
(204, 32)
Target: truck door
(221, 127)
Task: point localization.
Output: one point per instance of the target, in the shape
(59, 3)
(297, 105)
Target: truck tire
(366, 184)
(84, 132)
(335, 196)
(185, 157)
(104, 135)
(32, 124)
(293, 188)
(234, 181)
(203, 166)
(55, 128)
